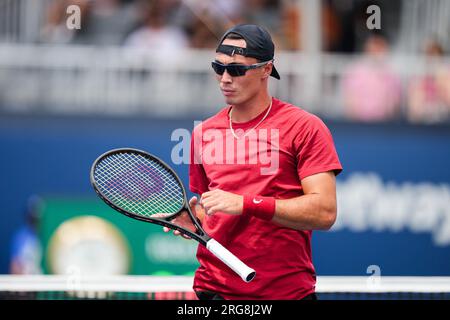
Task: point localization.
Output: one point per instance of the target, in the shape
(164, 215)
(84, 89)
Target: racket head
(138, 184)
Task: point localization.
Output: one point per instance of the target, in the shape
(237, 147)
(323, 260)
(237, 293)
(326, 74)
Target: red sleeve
(315, 149)
(198, 182)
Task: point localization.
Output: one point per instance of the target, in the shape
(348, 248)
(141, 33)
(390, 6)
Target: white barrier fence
(118, 81)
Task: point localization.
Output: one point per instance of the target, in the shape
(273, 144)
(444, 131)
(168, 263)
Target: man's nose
(226, 77)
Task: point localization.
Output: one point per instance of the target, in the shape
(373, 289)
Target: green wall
(152, 251)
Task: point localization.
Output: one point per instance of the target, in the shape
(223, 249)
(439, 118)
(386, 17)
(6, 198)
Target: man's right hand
(184, 220)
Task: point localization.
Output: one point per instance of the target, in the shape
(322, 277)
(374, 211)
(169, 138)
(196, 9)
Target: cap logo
(231, 50)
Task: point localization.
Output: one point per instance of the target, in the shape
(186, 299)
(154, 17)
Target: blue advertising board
(393, 195)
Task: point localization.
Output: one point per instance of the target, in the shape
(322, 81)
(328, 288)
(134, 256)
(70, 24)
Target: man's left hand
(223, 201)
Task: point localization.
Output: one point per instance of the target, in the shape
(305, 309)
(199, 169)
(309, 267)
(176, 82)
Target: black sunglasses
(235, 70)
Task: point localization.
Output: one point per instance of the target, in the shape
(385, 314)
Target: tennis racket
(140, 185)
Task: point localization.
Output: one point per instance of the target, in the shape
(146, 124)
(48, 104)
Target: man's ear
(267, 70)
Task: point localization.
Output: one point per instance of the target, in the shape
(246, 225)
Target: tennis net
(53, 287)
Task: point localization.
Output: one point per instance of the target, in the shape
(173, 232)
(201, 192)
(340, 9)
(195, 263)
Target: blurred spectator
(225, 12)
(429, 95)
(103, 22)
(26, 250)
(206, 21)
(263, 12)
(289, 36)
(106, 22)
(331, 27)
(203, 32)
(290, 24)
(157, 33)
(371, 89)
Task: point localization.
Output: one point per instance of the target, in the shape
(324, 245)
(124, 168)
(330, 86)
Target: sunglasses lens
(236, 71)
(233, 70)
(218, 68)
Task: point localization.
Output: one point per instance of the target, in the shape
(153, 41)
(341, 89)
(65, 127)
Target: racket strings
(138, 184)
(163, 201)
(129, 190)
(166, 179)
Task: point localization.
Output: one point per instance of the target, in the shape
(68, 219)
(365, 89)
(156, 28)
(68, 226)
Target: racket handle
(247, 274)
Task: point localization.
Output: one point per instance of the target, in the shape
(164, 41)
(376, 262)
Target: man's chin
(230, 100)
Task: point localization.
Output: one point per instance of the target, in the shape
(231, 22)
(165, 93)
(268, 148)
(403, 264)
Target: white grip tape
(247, 274)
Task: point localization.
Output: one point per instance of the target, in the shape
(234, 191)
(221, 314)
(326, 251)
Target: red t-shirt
(289, 145)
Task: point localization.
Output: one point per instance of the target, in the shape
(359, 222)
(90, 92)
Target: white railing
(21, 20)
(118, 81)
(422, 21)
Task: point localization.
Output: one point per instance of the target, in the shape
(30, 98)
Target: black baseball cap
(259, 44)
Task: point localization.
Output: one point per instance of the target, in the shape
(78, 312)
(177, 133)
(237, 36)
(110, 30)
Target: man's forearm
(307, 212)
(314, 210)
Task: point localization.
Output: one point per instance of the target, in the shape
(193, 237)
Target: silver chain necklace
(248, 131)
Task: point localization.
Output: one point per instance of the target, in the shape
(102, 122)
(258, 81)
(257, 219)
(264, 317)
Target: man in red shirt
(265, 171)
